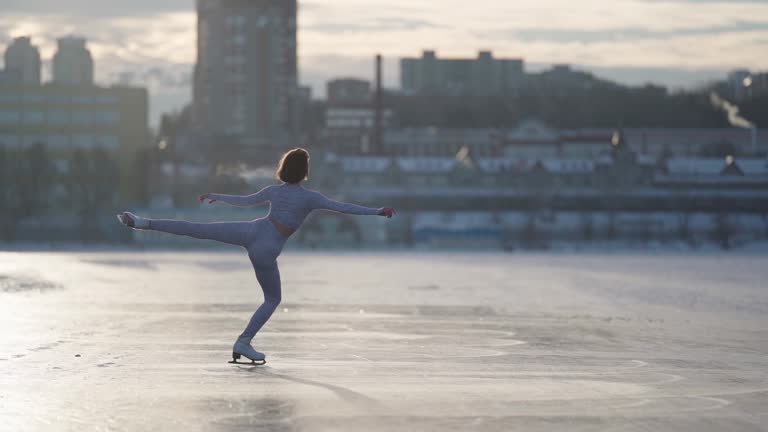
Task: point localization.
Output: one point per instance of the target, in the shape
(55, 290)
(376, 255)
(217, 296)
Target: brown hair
(293, 166)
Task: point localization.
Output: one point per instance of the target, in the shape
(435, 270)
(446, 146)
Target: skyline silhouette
(672, 43)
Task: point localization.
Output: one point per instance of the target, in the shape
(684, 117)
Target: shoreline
(676, 248)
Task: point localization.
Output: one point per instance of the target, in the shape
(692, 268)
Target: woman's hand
(387, 211)
(206, 196)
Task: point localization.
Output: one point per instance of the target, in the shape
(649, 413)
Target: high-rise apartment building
(72, 63)
(22, 62)
(482, 76)
(245, 82)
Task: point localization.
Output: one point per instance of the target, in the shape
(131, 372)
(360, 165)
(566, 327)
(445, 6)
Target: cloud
(169, 38)
(101, 8)
(318, 69)
(374, 25)
(673, 77)
(156, 53)
(704, 1)
(625, 34)
(156, 78)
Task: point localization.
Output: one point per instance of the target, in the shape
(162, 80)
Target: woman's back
(290, 203)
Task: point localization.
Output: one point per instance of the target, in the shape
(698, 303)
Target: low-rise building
(533, 139)
(618, 169)
(350, 117)
(64, 118)
(481, 76)
(348, 90)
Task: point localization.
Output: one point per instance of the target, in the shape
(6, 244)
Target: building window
(9, 117)
(82, 118)
(33, 98)
(9, 98)
(33, 117)
(232, 60)
(108, 142)
(106, 99)
(9, 140)
(82, 141)
(58, 99)
(109, 118)
(61, 165)
(236, 21)
(58, 117)
(30, 140)
(58, 141)
(83, 99)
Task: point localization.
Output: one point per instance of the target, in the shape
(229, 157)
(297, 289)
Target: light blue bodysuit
(289, 205)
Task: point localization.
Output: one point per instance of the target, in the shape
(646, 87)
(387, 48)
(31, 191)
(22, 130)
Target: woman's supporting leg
(235, 233)
(269, 279)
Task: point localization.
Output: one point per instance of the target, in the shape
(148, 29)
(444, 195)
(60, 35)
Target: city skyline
(631, 41)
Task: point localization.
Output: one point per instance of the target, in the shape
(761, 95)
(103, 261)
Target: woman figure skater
(263, 238)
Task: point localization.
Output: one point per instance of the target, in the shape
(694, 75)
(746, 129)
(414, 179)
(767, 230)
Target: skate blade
(251, 363)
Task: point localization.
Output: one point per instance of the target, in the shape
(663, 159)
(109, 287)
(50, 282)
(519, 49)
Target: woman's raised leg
(235, 233)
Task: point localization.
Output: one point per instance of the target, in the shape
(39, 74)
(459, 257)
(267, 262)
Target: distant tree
(684, 226)
(223, 151)
(723, 230)
(611, 232)
(5, 178)
(530, 234)
(33, 179)
(80, 189)
(645, 231)
(666, 154)
(104, 178)
(141, 172)
(765, 224)
(719, 149)
(77, 179)
(587, 226)
(8, 202)
(570, 100)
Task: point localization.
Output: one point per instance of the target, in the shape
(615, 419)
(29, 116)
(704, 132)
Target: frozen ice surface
(139, 341)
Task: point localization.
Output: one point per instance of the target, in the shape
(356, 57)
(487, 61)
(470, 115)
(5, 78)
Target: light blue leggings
(263, 243)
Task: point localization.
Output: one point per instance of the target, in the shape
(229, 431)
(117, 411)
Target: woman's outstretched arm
(239, 200)
(322, 202)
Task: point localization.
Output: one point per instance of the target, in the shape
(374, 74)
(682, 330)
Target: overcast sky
(672, 42)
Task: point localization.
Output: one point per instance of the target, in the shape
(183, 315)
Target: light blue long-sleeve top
(291, 203)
